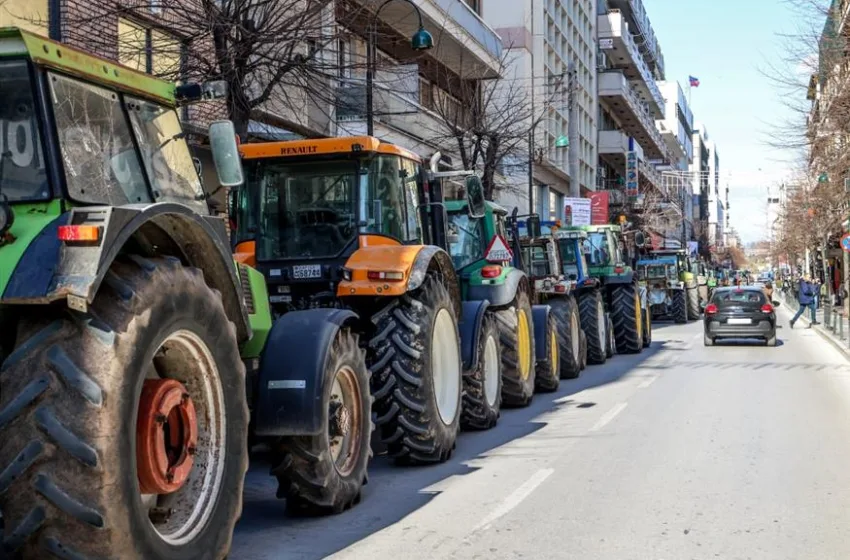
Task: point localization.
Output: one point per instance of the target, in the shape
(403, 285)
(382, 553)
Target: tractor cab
(574, 246)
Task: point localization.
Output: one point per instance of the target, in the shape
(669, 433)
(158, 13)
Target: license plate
(740, 321)
(305, 271)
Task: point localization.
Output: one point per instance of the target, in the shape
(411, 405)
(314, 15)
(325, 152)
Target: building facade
(700, 176)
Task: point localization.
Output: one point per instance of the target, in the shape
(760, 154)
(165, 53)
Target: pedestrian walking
(768, 291)
(806, 297)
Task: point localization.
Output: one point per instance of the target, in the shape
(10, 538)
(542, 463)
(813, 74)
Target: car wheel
(707, 340)
(771, 341)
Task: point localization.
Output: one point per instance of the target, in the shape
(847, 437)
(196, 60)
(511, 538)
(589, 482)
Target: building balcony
(463, 42)
(616, 92)
(671, 140)
(619, 46)
(639, 20)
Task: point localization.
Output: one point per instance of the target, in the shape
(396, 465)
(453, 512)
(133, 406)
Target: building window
(475, 5)
(149, 50)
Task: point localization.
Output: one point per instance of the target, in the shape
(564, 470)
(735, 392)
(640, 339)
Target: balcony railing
(615, 83)
(466, 17)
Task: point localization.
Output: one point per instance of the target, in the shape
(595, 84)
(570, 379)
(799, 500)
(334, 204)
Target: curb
(845, 351)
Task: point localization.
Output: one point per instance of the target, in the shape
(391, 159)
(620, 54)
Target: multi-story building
(716, 203)
(699, 171)
(552, 49)
(677, 128)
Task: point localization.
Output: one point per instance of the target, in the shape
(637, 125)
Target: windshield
(22, 171)
(466, 239)
(307, 210)
(568, 252)
(597, 241)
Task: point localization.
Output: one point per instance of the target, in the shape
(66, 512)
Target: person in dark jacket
(807, 300)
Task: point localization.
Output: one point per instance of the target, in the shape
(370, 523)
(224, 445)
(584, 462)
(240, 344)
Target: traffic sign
(498, 250)
(845, 242)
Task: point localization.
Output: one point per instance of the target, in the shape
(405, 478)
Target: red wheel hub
(166, 436)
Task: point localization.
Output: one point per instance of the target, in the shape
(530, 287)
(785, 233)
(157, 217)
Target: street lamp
(421, 41)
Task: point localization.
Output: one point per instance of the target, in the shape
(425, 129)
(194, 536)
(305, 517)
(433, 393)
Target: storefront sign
(599, 207)
(631, 174)
(579, 209)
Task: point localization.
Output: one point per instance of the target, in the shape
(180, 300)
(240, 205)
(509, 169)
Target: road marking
(608, 416)
(515, 498)
(647, 382)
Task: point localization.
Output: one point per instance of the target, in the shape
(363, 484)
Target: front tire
(88, 399)
(417, 375)
(693, 304)
(707, 340)
(482, 386)
(771, 341)
(325, 473)
(548, 372)
(647, 327)
(517, 338)
(628, 321)
(565, 312)
(611, 346)
(593, 322)
(680, 306)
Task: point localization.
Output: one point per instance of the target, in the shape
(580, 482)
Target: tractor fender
(470, 326)
(500, 295)
(625, 278)
(50, 270)
(540, 319)
(429, 258)
(290, 380)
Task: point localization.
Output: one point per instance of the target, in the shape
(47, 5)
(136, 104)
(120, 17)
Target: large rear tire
(680, 306)
(482, 386)
(593, 322)
(91, 402)
(325, 473)
(548, 371)
(628, 321)
(416, 374)
(565, 312)
(516, 333)
(693, 304)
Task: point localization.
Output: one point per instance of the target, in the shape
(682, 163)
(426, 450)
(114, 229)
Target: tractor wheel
(593, 322)
(417, 374)
(565, 311)
(547, 378)
(647, 327)
(516, 333)
(324, 473)
(693, 304)
(124, 429)
(482, 386)
(583, 349)
(680, 306)
(611, 345)
(628, 321)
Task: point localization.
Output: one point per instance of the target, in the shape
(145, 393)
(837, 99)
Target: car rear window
(736, 297)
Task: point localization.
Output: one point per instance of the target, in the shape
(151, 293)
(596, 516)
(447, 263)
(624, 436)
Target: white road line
(515, 498)
(608, 416)
(647, 382)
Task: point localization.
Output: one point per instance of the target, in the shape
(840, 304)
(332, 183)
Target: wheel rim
(344, 419)
(183, 369)
(575, 337)
(523, 345)
(553, 350)
(491, 371)
(600, 321)
(445, 356)
(638, 319)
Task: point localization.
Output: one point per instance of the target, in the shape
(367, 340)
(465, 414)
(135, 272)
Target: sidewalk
(836, 331)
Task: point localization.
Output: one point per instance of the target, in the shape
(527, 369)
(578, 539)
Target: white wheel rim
(491, 371)
(601, 320)
(445, 366)
(190, 361)
(575, 336)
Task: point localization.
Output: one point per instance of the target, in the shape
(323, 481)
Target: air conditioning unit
(601, 61)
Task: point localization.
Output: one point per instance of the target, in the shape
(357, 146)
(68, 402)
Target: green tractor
(666, 292)
(123, 320)
(490, 270)
(619, 293)
(691, 278)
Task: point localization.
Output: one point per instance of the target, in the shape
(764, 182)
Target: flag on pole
(694, 81)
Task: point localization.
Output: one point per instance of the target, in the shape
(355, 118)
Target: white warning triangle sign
(498, 250)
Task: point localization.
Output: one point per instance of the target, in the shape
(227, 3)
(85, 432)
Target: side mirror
(475, 197)
(640, 239)
(225, 152)
(532, 225)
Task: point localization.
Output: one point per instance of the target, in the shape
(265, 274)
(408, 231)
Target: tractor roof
(459, 205)
(670, 252)
(600, 227)
(44, 52)
(657, 261)
(324, 146)
(570, 234)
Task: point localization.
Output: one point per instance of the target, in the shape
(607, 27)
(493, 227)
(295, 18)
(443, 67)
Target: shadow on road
(265, 531)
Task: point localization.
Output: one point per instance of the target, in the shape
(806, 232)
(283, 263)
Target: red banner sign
(599, 207)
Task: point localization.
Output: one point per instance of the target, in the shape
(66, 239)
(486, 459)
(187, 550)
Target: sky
(727, 44)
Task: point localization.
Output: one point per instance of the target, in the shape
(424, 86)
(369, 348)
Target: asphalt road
(732, 452)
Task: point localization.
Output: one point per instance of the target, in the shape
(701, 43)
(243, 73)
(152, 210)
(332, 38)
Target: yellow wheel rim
(523, 334)
(638, 315)
(553, 350)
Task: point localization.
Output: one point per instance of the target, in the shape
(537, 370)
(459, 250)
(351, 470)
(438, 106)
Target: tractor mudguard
(540, 318)
(469, 326)
(290, 381)
(624, 278)
(498, 295)
(51, 270)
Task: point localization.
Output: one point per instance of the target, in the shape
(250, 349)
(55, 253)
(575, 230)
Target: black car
(740, 312)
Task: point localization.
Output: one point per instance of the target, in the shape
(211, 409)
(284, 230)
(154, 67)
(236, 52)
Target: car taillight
(767, 308)
(491, 271)
(710, 309)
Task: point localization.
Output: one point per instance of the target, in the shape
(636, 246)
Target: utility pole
(572, 130)
(533, 121)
